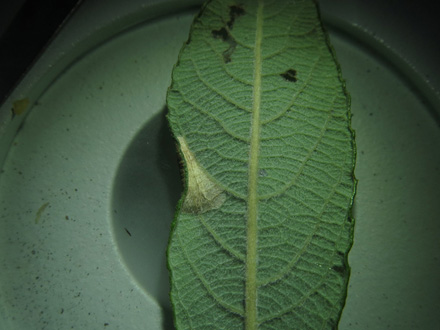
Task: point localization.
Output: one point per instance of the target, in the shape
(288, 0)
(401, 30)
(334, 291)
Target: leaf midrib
(252, 212)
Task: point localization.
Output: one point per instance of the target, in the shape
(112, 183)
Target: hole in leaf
(289, 75)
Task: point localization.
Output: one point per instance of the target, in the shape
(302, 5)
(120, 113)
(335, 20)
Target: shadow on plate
(146, 190)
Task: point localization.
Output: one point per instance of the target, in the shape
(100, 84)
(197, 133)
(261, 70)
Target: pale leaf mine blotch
(203, 194)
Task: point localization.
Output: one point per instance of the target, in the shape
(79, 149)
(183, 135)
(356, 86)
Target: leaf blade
(268, 123)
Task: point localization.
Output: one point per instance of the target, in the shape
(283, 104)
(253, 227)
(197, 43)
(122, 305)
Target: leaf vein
(206, 285)
(236, 254)
(307, 242)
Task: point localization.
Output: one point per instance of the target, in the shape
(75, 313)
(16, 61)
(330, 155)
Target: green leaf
(260, 112)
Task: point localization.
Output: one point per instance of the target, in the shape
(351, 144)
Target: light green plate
(91, 179)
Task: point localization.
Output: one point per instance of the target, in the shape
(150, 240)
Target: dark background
(26, 26)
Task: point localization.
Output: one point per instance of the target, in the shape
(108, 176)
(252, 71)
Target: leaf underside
(259, 109)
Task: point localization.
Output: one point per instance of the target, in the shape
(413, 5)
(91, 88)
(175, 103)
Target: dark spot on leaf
(221, 34)
(224, 34)
(234, 12)
(228, 53)
(333, 324)
(129, 234)
(289, 75)
(339, 268)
